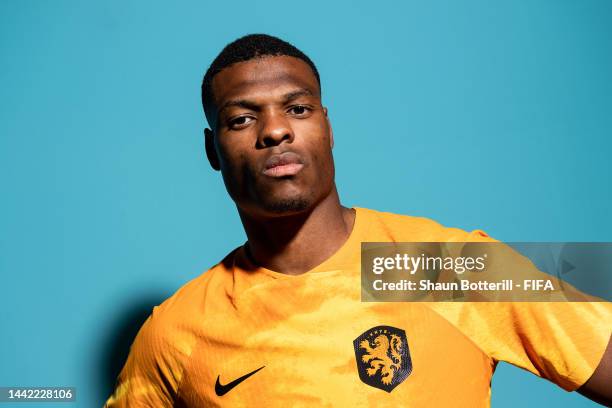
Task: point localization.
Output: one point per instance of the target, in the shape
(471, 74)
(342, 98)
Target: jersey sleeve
(559, 341)
(151, 375)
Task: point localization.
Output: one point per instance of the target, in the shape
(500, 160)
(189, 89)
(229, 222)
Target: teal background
(478, 114)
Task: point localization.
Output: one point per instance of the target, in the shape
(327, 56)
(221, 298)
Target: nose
(275, 128)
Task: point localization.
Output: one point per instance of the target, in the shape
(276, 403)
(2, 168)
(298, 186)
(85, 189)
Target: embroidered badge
(383, 357)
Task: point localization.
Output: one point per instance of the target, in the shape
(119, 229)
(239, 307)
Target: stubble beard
(288, 205)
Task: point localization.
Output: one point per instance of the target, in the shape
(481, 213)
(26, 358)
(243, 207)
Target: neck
(297, 243)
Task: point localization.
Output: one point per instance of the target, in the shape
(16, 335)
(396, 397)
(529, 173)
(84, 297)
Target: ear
(211, 153)
(331, 131)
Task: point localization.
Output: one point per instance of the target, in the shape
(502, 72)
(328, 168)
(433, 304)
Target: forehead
(261, 77)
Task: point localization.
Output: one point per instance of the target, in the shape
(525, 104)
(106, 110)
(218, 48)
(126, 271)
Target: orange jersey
(241, 336)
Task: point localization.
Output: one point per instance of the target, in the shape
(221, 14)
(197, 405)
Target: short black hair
(244, 49)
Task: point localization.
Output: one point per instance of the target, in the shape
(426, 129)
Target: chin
(287, 206)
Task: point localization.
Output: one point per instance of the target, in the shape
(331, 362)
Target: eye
(299, 110)
(239, 122)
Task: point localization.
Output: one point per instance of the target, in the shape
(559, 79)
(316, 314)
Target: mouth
(282, 165)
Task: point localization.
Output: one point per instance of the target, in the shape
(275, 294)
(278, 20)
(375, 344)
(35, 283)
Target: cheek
(315, 135)
(233, 151)
(321, 155)
(233, 160)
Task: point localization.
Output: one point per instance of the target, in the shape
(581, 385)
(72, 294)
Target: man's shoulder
(193, 296)
(171, 330)
(402, 227)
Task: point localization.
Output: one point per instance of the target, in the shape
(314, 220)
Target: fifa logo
(383, 358)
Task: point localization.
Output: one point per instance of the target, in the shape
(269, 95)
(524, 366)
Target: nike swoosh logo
(221, 389)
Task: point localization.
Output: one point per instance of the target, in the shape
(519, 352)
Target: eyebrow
(247, 104)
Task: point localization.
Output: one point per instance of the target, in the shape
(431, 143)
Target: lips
(283, 164)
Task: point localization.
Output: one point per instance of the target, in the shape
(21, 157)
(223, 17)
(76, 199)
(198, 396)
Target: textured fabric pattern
(236, 318)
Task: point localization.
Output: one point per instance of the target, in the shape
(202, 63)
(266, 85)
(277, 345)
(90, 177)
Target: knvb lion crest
(383, 357)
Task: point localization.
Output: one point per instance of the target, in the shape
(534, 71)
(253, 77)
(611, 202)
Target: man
(279, 321)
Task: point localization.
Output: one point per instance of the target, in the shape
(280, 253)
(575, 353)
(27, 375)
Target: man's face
(272, 139)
